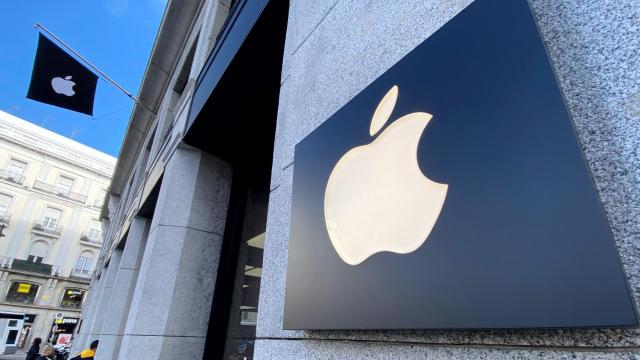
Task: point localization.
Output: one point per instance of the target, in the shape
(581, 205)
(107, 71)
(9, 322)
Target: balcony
(79, 274)
(47, 228)
(4, 218)
(59, 191)
(5, 262)
(11, 176)
(30, 266)
(92, 236)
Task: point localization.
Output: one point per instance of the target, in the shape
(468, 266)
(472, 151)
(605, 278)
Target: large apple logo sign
(63, 86)
(377, 198)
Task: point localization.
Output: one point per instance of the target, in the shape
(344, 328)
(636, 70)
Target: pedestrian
(87, 354)
(34, 350)
(47, 353)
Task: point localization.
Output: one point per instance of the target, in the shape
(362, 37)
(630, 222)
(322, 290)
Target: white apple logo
(63, 86)
(377, 199)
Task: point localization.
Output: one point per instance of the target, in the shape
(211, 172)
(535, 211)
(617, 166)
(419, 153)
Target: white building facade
(51, 192)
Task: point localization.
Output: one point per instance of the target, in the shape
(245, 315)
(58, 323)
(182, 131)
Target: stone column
(88, 315)
(169, 313)
(122, 293)
(102, 301)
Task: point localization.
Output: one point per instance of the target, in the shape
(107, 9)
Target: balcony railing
(11, 176)
(94, 237)
(7, 262)
(31, 266)
(47, 228)
(81, 274)
(4, 218)
(59, 191)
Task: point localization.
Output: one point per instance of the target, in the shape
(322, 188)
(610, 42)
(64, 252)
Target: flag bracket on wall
(61, 80)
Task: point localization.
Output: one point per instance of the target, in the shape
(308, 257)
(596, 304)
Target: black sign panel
(452, 193)
(60, 80)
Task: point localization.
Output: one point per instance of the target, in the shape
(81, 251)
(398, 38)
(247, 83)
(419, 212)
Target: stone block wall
(335, 48)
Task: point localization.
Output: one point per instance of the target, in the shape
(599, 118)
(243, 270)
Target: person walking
(87, 354)
(47, 353)
(34, 350)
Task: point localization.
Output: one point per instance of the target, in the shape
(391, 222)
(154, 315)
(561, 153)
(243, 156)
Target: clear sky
(115, 35)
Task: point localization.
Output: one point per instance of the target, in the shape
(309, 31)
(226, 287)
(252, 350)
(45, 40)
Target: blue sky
(115, 35)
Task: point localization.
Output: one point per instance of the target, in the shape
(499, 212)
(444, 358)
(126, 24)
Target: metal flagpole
(103, 75)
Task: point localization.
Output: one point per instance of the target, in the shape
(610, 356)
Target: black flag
(59, 79)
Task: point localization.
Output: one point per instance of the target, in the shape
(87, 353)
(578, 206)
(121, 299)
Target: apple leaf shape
(68, 77)
(384, 110)
(377, 198)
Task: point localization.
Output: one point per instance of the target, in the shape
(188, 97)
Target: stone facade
(333, 50)
(594, 50)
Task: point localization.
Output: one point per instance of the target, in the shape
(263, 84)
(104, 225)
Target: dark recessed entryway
(233, 117)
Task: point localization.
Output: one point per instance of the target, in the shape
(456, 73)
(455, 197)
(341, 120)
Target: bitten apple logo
(63, 86)
(377, 198)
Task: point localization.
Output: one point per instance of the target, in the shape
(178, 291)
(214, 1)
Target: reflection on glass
(243, 315)
(72, 298)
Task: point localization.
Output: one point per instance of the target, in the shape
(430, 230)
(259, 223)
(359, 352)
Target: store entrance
(23, 341)
(62, 329)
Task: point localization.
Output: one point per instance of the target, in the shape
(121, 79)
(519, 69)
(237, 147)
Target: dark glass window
(72, 298)
(11, 338)
(22, 292)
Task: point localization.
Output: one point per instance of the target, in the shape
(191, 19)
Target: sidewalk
(18, 355)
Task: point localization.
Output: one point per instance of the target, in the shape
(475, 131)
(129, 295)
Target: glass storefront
(243, 313)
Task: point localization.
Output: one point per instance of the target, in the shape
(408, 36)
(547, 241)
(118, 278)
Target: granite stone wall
(335, 48)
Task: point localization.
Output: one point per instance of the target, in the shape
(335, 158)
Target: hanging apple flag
(60, 80)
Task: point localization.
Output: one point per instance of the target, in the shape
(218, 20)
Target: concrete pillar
(88, 315)
(170, 309)
(125, 282)
(103, 300)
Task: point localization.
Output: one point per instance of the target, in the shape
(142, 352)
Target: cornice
(41, 144)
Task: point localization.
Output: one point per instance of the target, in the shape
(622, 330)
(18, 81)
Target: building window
(22, 292)
(95, 228)
(63, 186)
(51, 218)
(72, 298)
(38, 251)
(14, 171)
(16, 168)
(100, 199)
(5, 203)
(84, 266)
(84, 263)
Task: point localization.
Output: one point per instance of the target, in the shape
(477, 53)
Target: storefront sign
(24, 288)
(452, 193)
(70, 321)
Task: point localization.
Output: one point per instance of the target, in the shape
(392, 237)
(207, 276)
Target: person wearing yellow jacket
(87, 354)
